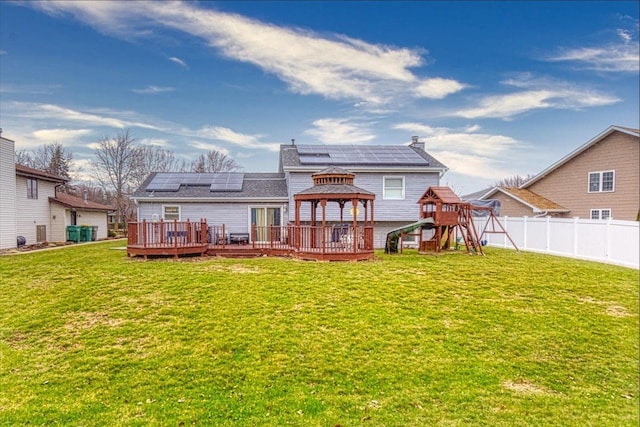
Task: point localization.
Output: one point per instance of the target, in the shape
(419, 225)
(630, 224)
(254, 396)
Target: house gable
(567, 181)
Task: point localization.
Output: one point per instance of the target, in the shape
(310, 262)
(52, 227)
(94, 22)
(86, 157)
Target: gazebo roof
(328, 189)
(334, 183)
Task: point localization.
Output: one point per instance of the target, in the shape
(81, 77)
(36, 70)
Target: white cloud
(60, 135)
(336, 67)
(539, 94)
(3, 52)
(464, 142)
(472, 166)
(224, 134)
(621, 55)
(152, 90)
(178, 61)
(339, 131)
(154, 141)
(100, 118)
(438, 88)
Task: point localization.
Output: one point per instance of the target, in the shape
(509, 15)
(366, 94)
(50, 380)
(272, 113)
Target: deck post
(144, 233)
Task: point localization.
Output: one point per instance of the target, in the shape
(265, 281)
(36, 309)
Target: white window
(601, 214)
(170, 212)
(601, 181)
(393, 187)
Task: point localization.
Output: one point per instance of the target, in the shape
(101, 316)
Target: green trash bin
(73, 233)
(85, 233)
(94, 233)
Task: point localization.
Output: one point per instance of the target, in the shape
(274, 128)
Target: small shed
(71, 210)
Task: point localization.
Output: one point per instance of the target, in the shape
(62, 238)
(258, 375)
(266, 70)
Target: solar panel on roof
(312, 149)
(227, 181)
(359, 155)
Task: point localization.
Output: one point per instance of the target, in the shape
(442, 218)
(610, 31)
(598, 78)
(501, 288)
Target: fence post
(575, 235)
(548, 233)
(525, 231)
(607, 240)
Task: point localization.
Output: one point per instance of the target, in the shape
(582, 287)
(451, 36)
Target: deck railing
(167, 234)
(314, 239)
(340, 239)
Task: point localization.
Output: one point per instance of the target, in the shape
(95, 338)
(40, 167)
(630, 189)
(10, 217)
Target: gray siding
(7, 194)
(235, 216)
(384, 210)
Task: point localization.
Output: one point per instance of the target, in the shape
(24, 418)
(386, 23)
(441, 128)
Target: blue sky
(493, 88)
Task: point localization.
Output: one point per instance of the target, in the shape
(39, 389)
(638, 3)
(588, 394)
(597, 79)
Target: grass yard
(91, 338)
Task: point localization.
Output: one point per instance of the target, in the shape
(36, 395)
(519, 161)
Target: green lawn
(89, 337)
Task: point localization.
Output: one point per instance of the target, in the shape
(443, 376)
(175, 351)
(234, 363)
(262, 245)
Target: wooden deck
(329, 243)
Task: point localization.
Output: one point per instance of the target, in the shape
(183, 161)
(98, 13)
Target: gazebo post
(354, 239)
(323, 203)
(297, 219)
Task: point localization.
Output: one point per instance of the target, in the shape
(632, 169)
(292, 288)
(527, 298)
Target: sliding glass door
(266, 219)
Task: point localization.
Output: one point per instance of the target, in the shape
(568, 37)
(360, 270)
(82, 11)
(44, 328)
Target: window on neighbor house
(170, 213)
(32, 188)
(393, 187)
(601, 181)
(600, 213)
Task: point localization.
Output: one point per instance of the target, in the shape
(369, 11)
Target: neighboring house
(8, 231)
(33, 210)
(599, 180)
(397, 174)
(31, 207)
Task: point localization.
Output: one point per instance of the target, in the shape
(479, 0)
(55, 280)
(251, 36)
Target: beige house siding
(510, 206)
(568, 184)
(60, 217)
(33, 212)
(7, 194)
(94, 218)
(63, 218)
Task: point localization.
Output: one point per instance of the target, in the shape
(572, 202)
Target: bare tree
(115, 170)
(51, 158)
(91, 191)
(513, 181)
(214, 161)
(151, 158)
(24, 158)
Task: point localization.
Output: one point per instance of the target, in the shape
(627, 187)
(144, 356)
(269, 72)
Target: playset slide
(391, 245)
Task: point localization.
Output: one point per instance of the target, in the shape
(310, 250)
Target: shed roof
(79, 203)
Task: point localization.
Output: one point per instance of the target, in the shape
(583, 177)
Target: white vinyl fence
(613, 242)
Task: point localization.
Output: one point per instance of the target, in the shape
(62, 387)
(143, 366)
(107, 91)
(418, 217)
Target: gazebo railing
(307, 238)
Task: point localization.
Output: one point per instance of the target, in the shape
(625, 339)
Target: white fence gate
(613, 242)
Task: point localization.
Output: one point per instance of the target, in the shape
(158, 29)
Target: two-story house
(397, 174)
(33, 211)
(598, 180)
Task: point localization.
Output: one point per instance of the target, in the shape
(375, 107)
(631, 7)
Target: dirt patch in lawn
(524, 387)
(86, 320)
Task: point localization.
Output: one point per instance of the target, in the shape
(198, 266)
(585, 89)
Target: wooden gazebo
(336, 235)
